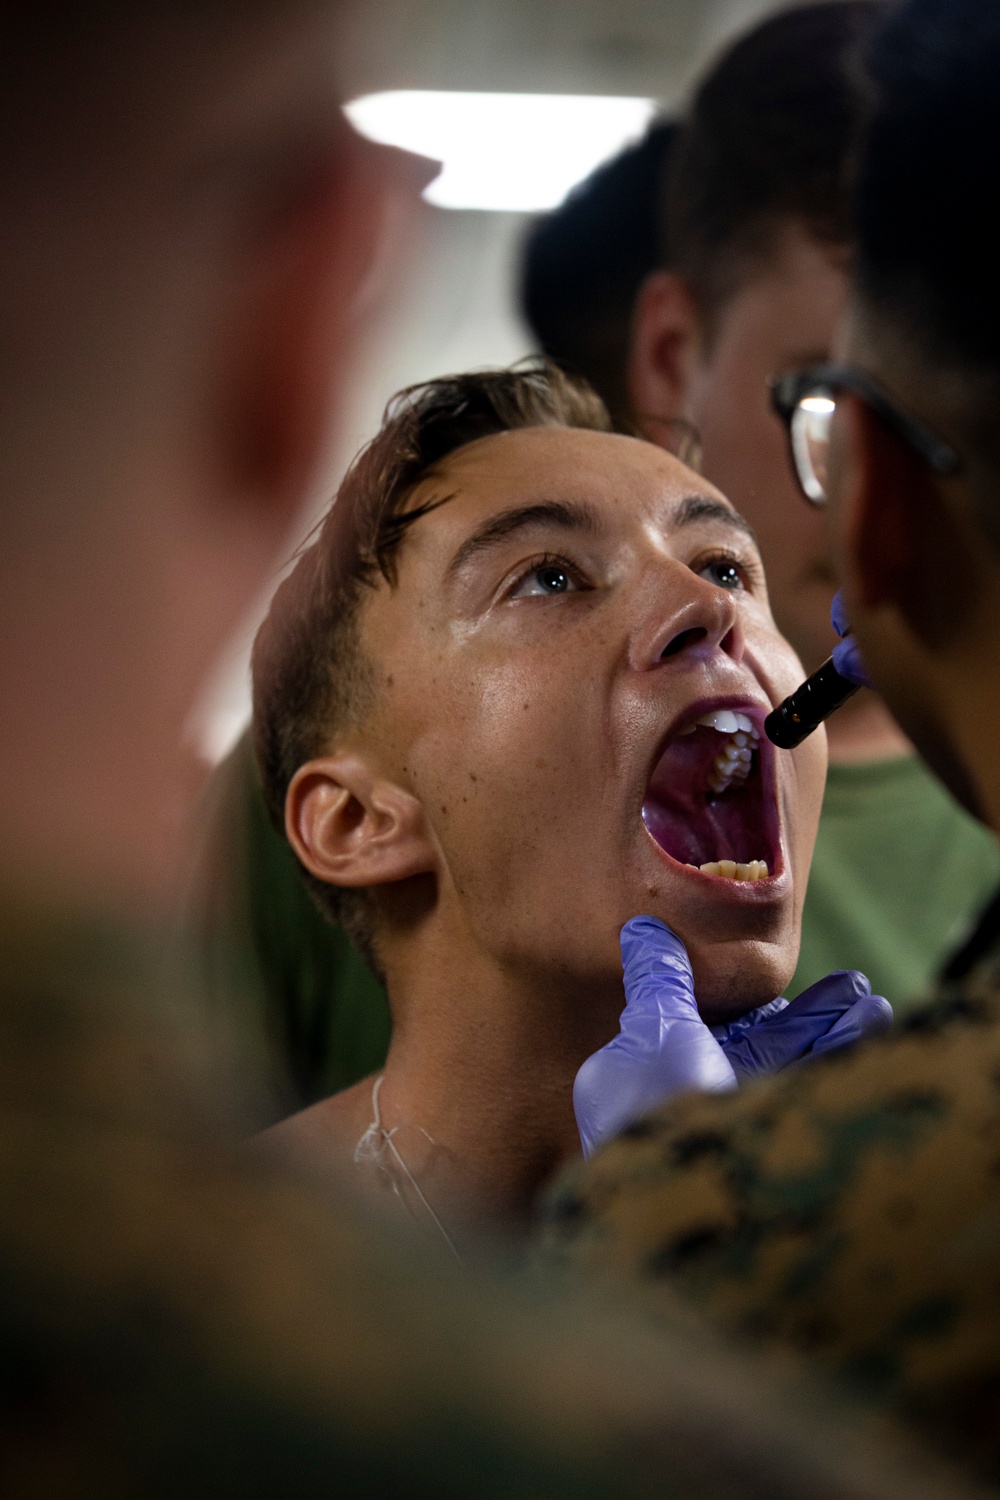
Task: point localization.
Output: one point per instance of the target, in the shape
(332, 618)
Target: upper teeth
(733, 762)
(728, 721)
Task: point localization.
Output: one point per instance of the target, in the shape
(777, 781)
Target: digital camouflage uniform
(848, 1209)
(180, 1318)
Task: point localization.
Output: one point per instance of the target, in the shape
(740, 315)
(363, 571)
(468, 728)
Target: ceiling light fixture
(514, 152)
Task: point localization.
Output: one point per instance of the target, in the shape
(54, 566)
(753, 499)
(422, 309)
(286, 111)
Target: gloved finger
(652, 952)
(849, 663)
(782, 1038)
(847, 653)
(661, 1025)
(871, 1017)
(831, 995)
(656, 973)
(663, 1048)
(838, 614)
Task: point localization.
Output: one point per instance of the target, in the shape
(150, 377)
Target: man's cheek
(498, 758)
(778, 667)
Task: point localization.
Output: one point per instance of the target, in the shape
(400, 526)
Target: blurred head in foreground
(513, 695)
(187, 219)
(756, 235)
(916, 509)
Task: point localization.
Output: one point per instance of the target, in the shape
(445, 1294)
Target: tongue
(693, 824)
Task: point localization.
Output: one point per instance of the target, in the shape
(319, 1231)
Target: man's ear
(351, 828)
(662, 351)
(902, 545)
(295, 311)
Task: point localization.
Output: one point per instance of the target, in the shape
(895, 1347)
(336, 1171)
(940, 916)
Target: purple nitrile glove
(847, 652)
(665, 1048)
(832, 1013)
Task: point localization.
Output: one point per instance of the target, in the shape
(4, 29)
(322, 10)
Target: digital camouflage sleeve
(848, 1210)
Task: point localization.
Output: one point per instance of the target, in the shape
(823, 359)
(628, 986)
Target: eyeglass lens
(810, 430)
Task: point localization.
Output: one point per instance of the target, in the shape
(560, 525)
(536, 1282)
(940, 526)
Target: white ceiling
(638, 47)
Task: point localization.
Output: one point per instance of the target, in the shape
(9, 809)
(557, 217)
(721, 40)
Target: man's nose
(706, 619)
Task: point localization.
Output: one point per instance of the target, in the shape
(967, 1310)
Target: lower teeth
(728, 869)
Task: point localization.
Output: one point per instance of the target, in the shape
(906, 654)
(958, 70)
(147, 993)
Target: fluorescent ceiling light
(519, 152)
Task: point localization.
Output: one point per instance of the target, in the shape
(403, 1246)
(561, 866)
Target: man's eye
(723, 573)
(549, 578)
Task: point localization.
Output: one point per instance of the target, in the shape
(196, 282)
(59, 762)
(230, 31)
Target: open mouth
(707, 804)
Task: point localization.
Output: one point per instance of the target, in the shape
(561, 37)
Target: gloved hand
(832, 1013)
(847, 653)
(664, 1047)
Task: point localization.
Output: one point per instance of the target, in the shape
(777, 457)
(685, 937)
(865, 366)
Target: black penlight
(796, 718)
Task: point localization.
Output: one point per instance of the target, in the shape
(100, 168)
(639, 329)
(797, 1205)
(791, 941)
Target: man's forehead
(615, 478)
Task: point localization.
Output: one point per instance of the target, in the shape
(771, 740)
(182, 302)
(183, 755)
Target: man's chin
(715, 915)
(733, 978)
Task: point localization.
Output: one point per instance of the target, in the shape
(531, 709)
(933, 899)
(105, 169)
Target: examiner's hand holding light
(665, 1048)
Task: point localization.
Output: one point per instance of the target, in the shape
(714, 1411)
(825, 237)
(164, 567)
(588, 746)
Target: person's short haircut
(925, 212)
(768, 139)
(310, 676)
(584, 263)
(925, 189)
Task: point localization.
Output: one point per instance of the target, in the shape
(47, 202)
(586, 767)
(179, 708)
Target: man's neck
(478, 1085)
(864, 730)
(485, 1065)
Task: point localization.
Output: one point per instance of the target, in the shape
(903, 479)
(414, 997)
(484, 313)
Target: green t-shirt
(899, 877)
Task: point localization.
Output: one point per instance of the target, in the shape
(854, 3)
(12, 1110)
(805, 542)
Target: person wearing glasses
(757, 239)
(848, 1209)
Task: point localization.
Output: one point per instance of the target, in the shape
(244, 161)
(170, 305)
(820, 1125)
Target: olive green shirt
(899, 878)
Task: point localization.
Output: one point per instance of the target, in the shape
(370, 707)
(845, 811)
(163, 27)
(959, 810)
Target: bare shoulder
(328, 1130)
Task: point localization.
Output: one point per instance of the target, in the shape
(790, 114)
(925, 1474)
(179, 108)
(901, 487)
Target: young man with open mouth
(511, 697)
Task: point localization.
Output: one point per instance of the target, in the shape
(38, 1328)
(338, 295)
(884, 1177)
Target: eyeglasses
(805, 400)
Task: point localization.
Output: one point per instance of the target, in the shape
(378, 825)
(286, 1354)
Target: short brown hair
(769, 137)
(310, 676)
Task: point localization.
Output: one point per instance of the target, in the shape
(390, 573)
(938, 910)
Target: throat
(709, 803)
(480, 1159)
(496, 1096)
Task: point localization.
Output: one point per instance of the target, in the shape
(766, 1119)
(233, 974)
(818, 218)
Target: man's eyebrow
(565, 514)
(700, 508)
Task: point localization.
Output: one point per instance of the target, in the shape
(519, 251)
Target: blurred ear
(351, 828)
(903, 545)
(296, 309)
(662, 350)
